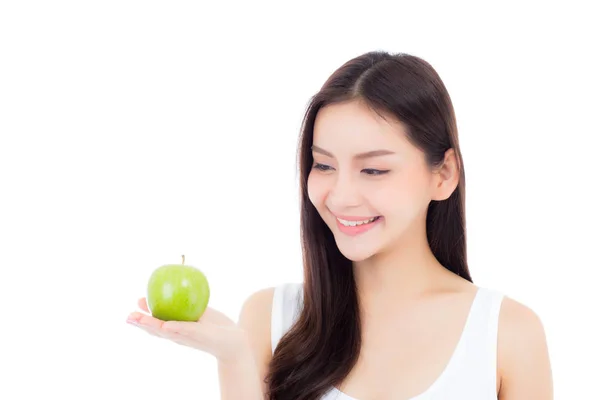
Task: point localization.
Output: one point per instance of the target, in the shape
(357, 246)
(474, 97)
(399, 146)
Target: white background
(133, 132)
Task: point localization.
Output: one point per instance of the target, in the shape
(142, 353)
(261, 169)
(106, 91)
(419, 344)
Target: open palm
(214, 333)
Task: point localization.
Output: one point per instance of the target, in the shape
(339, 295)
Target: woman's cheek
(315, 190)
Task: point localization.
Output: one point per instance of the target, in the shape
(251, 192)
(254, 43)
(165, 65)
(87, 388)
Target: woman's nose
(344, 193)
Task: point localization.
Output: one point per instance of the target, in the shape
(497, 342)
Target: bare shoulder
(255, 319)
(255, 316)
(261, 300)
(523, 358)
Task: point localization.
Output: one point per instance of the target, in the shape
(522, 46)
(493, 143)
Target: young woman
(387, 309)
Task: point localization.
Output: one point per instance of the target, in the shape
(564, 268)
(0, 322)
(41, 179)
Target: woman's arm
(523, 356)
(244, 379)
(240, 380)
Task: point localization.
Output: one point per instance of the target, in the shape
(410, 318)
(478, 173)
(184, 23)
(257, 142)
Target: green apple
(178, 292)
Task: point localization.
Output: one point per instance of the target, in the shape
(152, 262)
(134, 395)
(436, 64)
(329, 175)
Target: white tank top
(469, 375)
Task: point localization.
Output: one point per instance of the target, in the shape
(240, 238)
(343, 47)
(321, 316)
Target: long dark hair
(323, 346)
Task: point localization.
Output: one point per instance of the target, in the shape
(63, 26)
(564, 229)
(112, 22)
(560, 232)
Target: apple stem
(183, 259)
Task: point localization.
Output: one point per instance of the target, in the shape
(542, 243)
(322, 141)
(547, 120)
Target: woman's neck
(398, 276)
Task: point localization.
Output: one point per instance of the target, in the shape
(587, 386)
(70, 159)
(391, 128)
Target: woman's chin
(355, 254)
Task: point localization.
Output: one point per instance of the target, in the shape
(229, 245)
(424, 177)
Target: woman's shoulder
(265, 314)
(523, 357)
(259, 307)
(258, 304)
(519, 326)
(255, 319)
(263, 300)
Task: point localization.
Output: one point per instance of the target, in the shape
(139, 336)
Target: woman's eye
(368, 171)
(322, 167)
(371, 171)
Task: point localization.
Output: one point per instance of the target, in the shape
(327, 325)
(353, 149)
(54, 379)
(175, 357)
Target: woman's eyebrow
(360, 156)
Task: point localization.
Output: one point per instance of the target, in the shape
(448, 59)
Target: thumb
(143, 304)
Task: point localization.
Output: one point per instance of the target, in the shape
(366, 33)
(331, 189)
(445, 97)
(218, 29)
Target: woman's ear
(446, 177)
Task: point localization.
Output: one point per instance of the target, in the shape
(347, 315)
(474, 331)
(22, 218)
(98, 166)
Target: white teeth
(356, 223)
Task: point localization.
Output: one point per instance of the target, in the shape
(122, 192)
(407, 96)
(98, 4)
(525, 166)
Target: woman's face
(370, 185)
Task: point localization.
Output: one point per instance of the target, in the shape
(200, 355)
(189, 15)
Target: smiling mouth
(357, 223)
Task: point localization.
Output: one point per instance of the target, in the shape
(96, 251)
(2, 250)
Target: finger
(199, 333)
(146, 321)
(143, 304)
(150, 328)
(180, 327)
(151, 322)
(151, 331)
(134, 317)
(172, 336)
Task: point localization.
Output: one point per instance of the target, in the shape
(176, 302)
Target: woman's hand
(214, 333)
